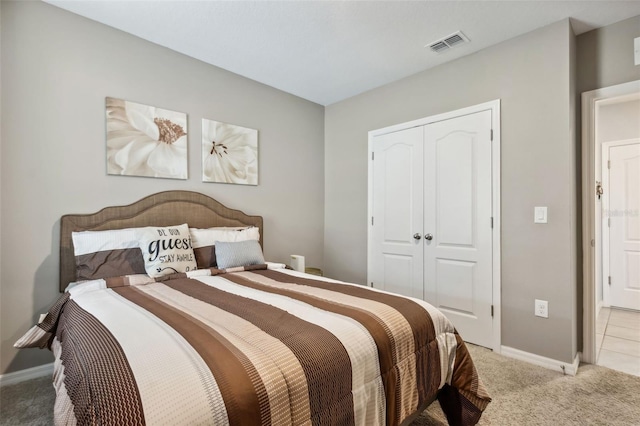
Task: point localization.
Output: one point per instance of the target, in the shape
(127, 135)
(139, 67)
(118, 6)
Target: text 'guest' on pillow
(166, 250)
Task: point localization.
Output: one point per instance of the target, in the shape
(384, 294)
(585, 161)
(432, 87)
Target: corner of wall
(576, 230)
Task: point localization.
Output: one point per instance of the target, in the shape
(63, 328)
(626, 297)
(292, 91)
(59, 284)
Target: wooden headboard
(161, 209)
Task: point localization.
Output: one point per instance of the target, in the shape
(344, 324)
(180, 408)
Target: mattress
(260, 345)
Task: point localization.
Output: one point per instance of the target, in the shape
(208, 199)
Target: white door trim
(494, 106)
(606, 292)
(591, 101)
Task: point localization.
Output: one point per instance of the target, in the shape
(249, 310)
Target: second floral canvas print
(143, 140)
(229, 153)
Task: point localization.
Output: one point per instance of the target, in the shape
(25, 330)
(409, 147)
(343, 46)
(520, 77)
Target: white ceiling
(327, 51)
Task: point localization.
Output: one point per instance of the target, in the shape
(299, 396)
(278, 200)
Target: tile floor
(618, 340)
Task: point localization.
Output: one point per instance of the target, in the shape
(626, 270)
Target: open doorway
(611, 225)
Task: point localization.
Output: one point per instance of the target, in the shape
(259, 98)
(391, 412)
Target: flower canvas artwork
(229, 153)
(143, 140)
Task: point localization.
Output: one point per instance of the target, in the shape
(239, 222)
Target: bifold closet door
(397, 220)
(457, 223)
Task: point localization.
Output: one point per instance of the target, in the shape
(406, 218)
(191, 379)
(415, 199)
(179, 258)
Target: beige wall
(1, 203)
(57, 68)
(605, 55)
(532, 75)
(575, 230)
(619, 121)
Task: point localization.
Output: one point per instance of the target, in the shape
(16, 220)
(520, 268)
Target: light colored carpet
(27, 403)
(523, 394)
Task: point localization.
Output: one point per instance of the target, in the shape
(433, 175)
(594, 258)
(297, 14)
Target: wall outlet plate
(541, 308)
(540, 215)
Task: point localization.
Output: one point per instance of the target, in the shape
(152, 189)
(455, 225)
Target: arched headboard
(161, 209)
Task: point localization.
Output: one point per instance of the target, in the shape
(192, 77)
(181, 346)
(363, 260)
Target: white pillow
(104, 254)
(166, 250)
(209, 236)
(86, 242)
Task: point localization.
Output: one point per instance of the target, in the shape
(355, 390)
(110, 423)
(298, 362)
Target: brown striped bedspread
(251, 347)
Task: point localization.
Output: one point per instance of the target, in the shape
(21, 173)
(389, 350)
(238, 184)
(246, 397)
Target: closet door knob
(428, 237)
(417, 236)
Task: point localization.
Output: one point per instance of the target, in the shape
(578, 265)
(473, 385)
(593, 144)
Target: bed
(231, 338)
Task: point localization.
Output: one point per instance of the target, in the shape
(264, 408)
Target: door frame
(494, 107)
(606, 243)
(591, 265)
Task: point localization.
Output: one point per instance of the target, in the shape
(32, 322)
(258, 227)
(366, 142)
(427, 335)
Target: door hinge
(492, 222)
(608, 164)
(609, 279)
(491, 311)
(492, 134)
(371, 220)
(372, 155)
(609, 222)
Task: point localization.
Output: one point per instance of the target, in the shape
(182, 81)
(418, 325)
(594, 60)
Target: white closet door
(397, 256)
(624, 232)
(458, 246)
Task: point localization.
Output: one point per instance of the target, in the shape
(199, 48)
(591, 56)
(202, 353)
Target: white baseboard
(542, 361)
(26, 374)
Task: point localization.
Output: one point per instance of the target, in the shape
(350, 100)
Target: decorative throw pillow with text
(166, 250)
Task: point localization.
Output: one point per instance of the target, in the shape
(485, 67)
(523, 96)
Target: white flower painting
(145, 141)
(229, 153)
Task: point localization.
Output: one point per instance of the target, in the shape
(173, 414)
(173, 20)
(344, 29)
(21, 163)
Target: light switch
(636, 50)
(540, 214)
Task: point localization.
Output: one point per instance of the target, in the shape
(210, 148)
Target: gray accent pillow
(241, 253)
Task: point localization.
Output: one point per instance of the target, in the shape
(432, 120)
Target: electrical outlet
(541, 308)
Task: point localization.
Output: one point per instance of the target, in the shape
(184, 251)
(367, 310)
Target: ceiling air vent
(448, 42)
(439, 46)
